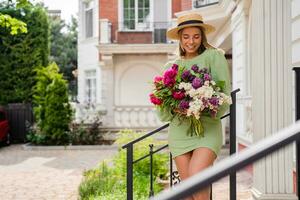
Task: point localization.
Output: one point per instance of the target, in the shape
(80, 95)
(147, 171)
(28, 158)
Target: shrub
(107, 182)
(51, 107)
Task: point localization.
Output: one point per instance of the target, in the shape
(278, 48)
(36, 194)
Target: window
(203, 3)
(88, 20)
(90, 86)
(136, 14)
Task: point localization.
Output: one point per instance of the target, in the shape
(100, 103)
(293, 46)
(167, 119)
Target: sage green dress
(179, 141)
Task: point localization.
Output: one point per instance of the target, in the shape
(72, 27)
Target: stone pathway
(56, 174)
(46, 174)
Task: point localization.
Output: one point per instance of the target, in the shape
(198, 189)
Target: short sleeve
(220, 72)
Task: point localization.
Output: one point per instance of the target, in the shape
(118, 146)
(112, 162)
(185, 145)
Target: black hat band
(190, 22)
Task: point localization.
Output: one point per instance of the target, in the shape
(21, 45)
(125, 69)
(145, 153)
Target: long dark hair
(201, 48)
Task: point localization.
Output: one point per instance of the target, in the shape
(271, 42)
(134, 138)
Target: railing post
(151, 171)
(130, 172)
(297, 107)
(232, 141)
(171, 170)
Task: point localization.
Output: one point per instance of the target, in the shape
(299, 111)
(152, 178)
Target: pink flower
(178, 95)
(169, 77)
(155, 100)
(169, 81)
(158, 79)
(170, 73)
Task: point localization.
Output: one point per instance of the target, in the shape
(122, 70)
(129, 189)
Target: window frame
(142, 27)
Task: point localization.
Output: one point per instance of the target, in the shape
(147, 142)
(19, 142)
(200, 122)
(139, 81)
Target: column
(107, 71)
(271, 81)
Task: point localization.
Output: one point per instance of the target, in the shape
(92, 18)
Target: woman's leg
(182, 165)
(201, 159)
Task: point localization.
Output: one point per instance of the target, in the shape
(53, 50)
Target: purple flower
(197, 83)
(184, 104)
(185, 75)
(195, 68)
(205, 70)
(192, 77)
(207, 77)
(214, 101)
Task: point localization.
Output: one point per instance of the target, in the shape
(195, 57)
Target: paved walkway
(46, 174)
(56, 174)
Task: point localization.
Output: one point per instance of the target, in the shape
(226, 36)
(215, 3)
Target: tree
(6, 21)
(52, 109)
(21, 54)
(63, 48)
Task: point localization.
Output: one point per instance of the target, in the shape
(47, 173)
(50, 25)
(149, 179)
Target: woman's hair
(201, 48)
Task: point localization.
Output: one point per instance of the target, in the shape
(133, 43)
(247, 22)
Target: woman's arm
(220, 72)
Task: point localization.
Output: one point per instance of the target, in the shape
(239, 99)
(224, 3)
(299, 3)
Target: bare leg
(201, 159)
(182, 164)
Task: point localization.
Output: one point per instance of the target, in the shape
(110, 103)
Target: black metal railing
(174, 175)
(297, 115)
(234, 163)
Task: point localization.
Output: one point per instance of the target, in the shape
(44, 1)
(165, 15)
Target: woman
(193, 154)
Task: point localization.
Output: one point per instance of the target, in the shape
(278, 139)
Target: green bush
(52, 110)
(89, 134)
(107, 182)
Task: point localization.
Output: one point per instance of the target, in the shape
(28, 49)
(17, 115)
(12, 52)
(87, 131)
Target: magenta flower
(178, 95)
(169, 82)
(170, 73)
(175, 67)
(158, 79)
(155, 100)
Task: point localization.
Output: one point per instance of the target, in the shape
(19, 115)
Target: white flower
(206, 83)
(185, 86)
(213, 82)
(206, 91)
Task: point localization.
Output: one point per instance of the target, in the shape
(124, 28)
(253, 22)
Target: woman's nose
(191, 41)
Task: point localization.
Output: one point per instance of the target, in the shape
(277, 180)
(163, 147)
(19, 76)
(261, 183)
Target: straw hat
(189, 20)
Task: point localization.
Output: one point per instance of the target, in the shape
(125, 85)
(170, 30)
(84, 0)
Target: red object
(4, 128)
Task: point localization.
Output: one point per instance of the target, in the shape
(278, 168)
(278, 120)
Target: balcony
(133, 33)
(204, 3)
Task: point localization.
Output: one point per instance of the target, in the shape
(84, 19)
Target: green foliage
(21, 54)
(86, 135)
(15, 26)
(107, 182)
(51, 107)
(63, 49)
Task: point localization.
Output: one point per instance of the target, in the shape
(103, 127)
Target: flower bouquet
(189, 94)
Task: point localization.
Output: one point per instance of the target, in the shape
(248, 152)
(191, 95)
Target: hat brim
(173, 32)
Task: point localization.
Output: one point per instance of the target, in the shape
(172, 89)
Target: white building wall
(240, 71)
(295, 41)
(88, 58)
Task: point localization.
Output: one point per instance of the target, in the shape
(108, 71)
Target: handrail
(233, 163)
(145, 136)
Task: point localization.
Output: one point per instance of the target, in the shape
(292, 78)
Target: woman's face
(191, 40)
